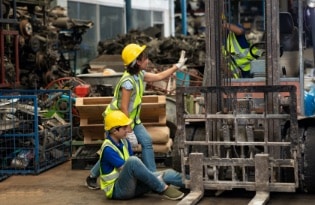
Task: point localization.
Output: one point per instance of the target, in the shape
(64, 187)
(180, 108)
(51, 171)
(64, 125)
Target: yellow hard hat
(131, 52)
(116, 118)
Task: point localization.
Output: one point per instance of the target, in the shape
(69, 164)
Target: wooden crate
(153, 110)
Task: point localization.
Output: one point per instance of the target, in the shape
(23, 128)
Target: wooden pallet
(153, 110)
(153, 116)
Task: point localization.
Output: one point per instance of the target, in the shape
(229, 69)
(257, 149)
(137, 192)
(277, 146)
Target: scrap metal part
(47, 39)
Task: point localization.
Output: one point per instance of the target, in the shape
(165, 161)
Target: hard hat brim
(128, 56)
(127, 123)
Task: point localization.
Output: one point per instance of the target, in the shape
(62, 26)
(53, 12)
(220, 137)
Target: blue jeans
(95, 171)
(136, 179)
(145, 140)
(170, 176)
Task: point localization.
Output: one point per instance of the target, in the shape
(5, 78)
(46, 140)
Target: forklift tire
(309, 160)
(287, 174)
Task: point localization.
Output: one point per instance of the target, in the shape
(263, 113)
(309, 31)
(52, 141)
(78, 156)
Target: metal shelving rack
(8, 44)
(35, 130)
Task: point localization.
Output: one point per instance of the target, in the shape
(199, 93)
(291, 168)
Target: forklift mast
(245, 133)
(219, 11)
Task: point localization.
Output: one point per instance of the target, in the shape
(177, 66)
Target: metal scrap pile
(47, 39)
(162, 51)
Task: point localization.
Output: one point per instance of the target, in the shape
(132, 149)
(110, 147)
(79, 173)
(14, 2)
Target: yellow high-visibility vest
(136, 97)
(241, 57)
(107, 181)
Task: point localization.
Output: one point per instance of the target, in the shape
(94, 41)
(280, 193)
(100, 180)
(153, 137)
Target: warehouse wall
(109, 19)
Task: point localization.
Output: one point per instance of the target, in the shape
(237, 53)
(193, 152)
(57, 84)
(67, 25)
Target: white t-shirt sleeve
(127, 85)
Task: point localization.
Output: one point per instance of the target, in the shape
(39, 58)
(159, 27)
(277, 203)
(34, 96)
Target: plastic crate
(85, 157)
(35, 130)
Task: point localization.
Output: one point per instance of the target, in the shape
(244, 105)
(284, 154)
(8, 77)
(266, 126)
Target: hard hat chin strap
(133, 63)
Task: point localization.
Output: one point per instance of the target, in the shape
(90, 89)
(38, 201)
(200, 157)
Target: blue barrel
(182, 78)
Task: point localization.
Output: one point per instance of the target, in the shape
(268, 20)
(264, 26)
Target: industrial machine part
(246, 133)
(38, 43)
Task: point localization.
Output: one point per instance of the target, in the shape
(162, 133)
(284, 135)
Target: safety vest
(240, 57)
(136, 97)
(107, 181)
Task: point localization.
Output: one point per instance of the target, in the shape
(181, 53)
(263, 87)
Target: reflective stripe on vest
(136, 97)
(107, 181)
(241, 56)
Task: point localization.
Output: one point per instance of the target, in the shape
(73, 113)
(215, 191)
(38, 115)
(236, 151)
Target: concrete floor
(62, 185)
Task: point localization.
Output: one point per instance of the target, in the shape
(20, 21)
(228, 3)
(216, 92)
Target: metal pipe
(172, 17)
(184, 16)
(301, 61)
(312, 16)
(128, 15)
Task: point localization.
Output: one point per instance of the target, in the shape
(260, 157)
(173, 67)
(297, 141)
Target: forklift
(246, 133)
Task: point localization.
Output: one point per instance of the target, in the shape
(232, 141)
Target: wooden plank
(93, 115)
(84, 101)
(158, 148)
(94, 134)
(94, 101)
(96, 111)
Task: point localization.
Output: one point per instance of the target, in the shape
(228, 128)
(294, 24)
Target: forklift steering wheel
(261, 46)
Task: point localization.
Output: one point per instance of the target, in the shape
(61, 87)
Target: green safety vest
(135, 101)
(107, 181)
(241, 57)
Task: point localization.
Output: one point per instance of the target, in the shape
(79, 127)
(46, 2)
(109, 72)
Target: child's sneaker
(91, 183)
(172, 193)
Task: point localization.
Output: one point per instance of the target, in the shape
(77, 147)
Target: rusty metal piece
(196, 180)
(57, 11)
(262, 180)
(26, 28)
(261, 198)
(9, 54)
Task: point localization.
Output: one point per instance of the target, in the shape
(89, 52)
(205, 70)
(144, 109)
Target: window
(111, 22)
(141, 19)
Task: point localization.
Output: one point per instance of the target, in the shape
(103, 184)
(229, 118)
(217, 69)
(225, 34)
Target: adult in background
(237, 47)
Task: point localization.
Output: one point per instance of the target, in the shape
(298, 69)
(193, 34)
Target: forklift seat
(289, 47)
(289, 38)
